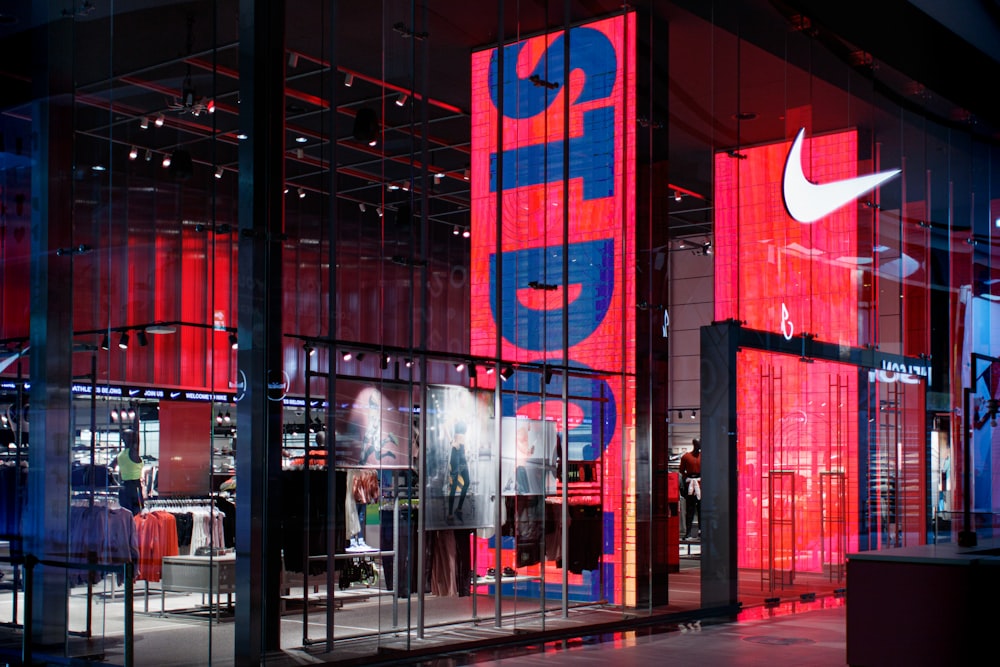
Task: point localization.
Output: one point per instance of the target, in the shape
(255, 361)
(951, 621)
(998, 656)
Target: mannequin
(130, 469)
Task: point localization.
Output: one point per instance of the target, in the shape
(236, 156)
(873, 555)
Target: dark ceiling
(157, 58)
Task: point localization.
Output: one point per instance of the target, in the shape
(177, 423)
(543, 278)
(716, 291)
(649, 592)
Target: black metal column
(51, 344)
(261, 223)
(719, 585)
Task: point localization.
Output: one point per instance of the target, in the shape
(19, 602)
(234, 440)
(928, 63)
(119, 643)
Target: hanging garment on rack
(185, 524)
(13, 493)
(296, 521)
(157, 534)
(101, 534)
(206, 528)
(228, 510)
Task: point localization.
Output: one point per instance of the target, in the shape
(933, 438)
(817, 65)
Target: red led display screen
(567, 153)
(798, 422)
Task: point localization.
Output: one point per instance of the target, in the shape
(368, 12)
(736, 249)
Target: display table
(211, 575)
(922, 605)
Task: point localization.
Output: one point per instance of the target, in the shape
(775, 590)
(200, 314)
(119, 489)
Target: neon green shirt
(129, 469)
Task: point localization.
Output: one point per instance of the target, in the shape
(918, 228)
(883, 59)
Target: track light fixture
(123, 341)
(472, 371)
(348, 79)
(455, 231)
(680, 415)
(140, 336)
(105, 343)
(345, 355)
(460, 366)
(408, 362)
(677, 195)
(144, 123)
(227, 418)
(384, 361)
(166, 160)
(159, 120)
(506, 371)
(366, 126)
(362, 207)
(233, 341)
(466, 233)
(218, 417)
(133, 153)
(548, 373)
(218, 172)
(401, 100)
(302, 193)
(378, 209)
(693, 414)
(293, 59)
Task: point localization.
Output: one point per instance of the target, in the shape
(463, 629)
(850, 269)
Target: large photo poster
(529, 462)
(461, 477)
(373, 426)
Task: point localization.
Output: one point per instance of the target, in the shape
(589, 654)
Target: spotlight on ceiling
(159, 120)
(362, 207)
(348, 79)
(693, 414)
(465, 174)
(218, 172)
(105, 343)
(166, 160)
(548, 373)
(133, 153)
(408, 362)
(460, 367)
(378, 209)
(141, 337)
(234, 342)
(345, 355)
(401, 100)
(302, 193)
(472, 371)
(455, 231)
(466, 233)
(384, 361)
(677, 195)
(123, 341)
(144, 123)
(366, 126)
(506, 372)
(293, 59)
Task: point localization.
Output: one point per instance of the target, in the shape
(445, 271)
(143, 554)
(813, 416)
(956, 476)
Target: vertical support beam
(261, 223)
(47, 512)
(719, 584)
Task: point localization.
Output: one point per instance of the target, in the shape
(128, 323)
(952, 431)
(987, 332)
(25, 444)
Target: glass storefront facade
(450, 289)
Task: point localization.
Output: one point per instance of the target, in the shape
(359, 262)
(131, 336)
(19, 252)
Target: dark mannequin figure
(130, 469)
(691, 486)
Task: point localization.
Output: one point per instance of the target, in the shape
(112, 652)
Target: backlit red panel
(798, 422)
(533, 96)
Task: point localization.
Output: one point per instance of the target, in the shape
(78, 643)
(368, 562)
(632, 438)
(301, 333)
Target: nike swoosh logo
(806, 201)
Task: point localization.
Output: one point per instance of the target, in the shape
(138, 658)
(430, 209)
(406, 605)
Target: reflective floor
(794, 634)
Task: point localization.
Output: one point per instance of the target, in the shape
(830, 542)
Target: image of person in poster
(458, 474)
(373, 443)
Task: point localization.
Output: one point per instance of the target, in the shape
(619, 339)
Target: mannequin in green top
(130, 469)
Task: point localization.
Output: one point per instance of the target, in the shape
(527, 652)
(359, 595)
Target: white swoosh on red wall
(806, 201)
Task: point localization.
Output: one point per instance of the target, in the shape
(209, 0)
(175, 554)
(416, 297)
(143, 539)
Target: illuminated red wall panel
(528, 173)
(798, 422)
